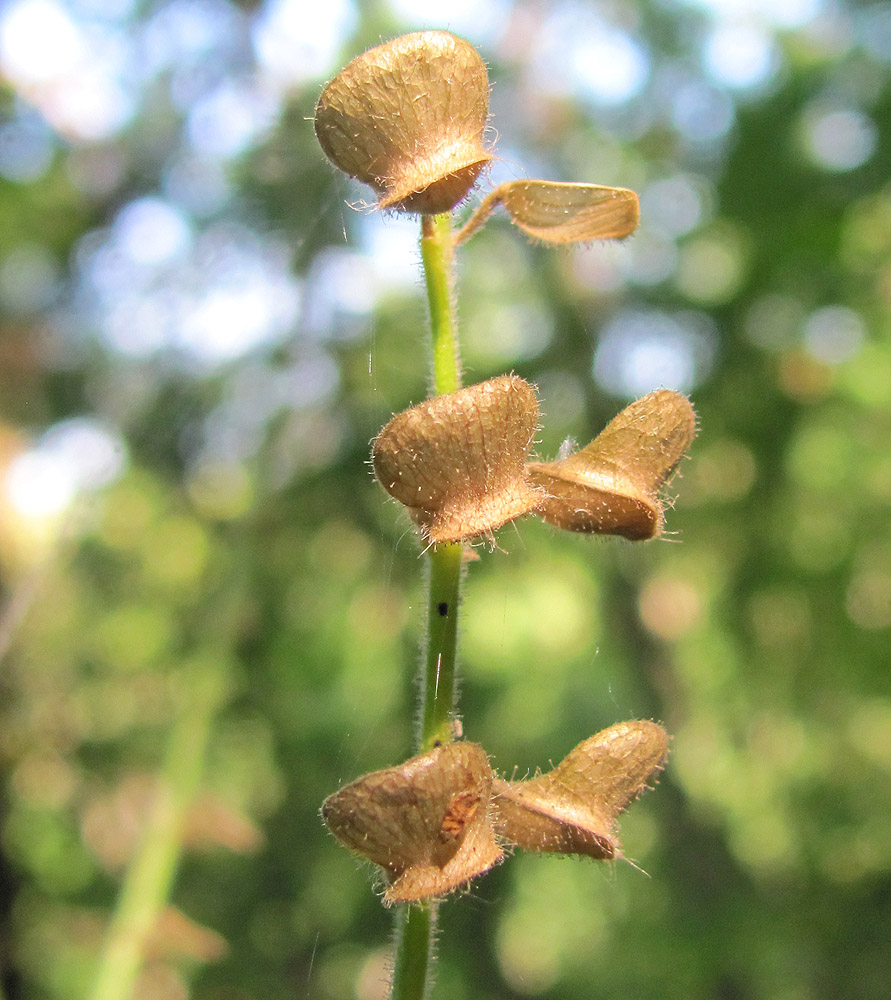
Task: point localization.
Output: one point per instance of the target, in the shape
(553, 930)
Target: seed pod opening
(407, 117)
(573, 808)
(559, 214)
(612, 486)
(427, 822)
(458, 461)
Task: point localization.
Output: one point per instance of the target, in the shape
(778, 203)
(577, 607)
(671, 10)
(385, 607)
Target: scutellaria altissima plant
(409, 119)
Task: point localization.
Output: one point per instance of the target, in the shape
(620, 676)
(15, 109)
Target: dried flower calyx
(559, 213)
(407, 117)
(427, 822)
(458, 461)
(573, 808)
(612, 486)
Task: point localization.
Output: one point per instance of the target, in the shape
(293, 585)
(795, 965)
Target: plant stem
(438, 685)
(414, 950)
(150, 875)
(415, 923)
(446, 561)
(436, 254)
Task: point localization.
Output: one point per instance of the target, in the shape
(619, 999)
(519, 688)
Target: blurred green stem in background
(149, 879)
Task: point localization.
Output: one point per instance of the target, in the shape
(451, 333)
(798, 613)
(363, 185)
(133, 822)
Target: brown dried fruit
(558, 213)
(408, 118)
(612, 486)
(573, 808)
(427, 822)
(458, 461)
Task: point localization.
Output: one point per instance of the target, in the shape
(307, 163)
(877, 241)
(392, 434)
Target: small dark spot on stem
(443, 609)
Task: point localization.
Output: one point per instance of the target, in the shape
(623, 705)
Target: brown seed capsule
(458, 461)
(573, 808)
(558, 213)
(407, 118)
(611, 487)
(427, 822)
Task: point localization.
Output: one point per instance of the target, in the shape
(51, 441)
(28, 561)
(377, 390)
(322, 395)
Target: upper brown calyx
(408, 117)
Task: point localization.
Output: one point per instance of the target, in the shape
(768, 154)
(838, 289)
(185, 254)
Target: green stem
(438, 686)
(436, 254)
(150, 876)
(438, 682)
(415, 923)
(414, 950)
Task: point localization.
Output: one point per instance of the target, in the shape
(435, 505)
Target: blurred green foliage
(246, 537)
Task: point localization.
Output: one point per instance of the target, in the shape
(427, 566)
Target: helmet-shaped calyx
(427, 822)
(572, 809)
(612, 486)
(408, 117)
(458, 461)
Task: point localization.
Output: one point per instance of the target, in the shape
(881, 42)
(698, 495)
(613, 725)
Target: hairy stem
(414, 950)
(415, 923)
(438, 686)
(437, 689)
(436, 254)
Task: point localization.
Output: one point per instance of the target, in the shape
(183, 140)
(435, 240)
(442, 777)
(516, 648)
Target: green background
(758, 631)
